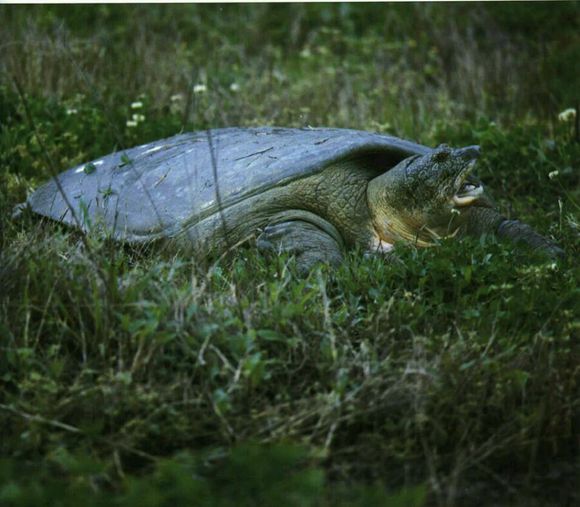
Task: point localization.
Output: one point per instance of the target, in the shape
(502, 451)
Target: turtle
(308, 192)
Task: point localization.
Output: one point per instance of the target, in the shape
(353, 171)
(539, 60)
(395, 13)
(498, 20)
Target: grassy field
(140, 377)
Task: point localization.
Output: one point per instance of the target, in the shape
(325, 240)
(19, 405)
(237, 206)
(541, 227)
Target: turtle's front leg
(487, 220)
(309, 243)
(519, 232)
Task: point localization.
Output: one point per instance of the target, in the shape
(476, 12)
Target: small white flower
(71, 110)
(553, 174)
(199, 88)
(131, 123)
(278, 76)
(137, 105)
(178, 97)
(138, 117)
(567, 115)
(235, 87)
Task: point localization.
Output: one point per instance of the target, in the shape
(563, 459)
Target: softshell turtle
(311, 192)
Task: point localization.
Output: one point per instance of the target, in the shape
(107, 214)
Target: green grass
(134, 373)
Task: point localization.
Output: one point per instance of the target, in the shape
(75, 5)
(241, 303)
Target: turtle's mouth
(468, 189)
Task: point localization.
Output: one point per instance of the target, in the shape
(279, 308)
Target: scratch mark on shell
(256, 153)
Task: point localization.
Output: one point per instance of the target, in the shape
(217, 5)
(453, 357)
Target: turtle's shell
(154, 189)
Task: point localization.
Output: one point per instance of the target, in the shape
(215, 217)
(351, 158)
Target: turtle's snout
(469, 152)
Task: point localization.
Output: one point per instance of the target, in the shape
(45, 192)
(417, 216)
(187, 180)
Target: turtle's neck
(339, 194)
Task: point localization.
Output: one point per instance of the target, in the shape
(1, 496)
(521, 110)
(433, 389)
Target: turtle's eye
(441, 156)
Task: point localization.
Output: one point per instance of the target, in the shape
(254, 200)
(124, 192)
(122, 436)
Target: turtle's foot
(523, 233)
(482, 220)
(308, 243)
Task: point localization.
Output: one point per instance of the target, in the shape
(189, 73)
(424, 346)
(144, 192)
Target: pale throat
(388, 228)
(388, 231)
(380, 240)
(380, 245)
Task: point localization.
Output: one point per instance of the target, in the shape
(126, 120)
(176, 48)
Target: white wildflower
(178, 97)
(131, 123)
(71, 110)
(553, 174)
(138, 118)
(278, 76)
(199, 88)
(235, 87)
(567, 115)
(137, 105)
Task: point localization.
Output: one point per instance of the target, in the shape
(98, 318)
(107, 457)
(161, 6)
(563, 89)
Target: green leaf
(125, 160)
(90, 168)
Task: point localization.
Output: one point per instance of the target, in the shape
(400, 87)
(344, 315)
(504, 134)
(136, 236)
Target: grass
(131, 375)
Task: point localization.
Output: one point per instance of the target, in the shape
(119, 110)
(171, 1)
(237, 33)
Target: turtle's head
(423, 197)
